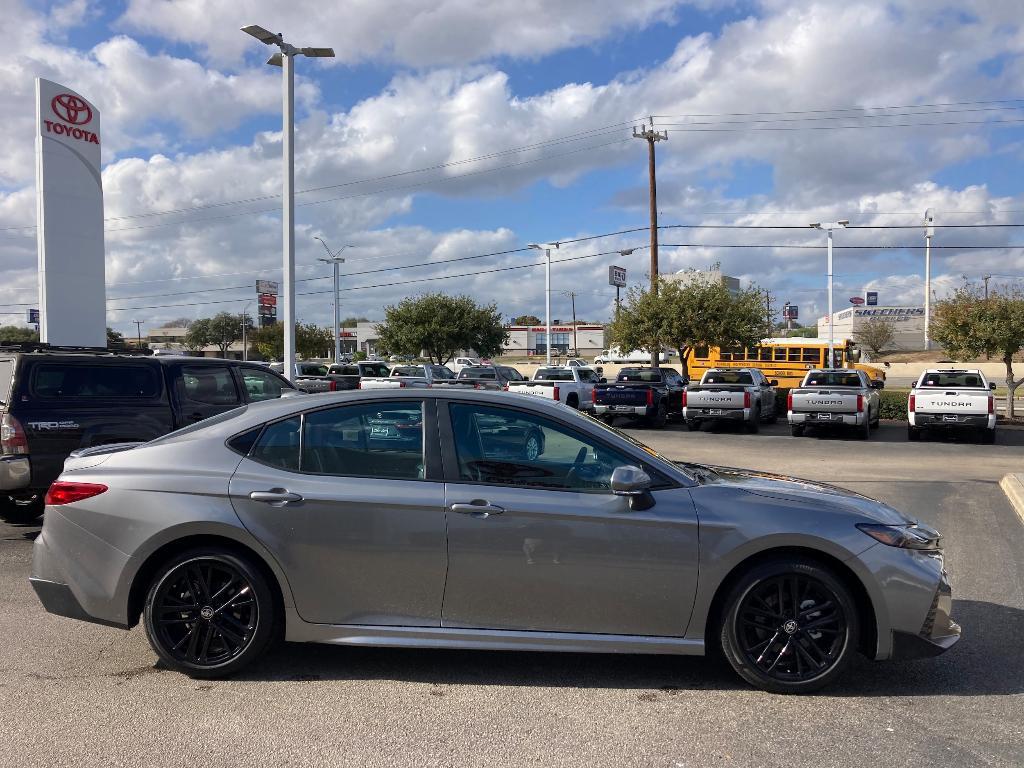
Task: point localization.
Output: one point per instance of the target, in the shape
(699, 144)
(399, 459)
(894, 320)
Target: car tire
(988, 436)
(693, 425)
(864, 431)
(772, 419)
(660, 418)
(228, 639)
(573, 401)
(754, 425)
(913, 434)
(21, 512)
(770, 621)
(796, 430)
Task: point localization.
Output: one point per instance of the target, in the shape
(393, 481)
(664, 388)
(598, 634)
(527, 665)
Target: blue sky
(191, 118)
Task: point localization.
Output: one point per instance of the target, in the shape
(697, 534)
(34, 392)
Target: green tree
(269, 341)
(804, 332)
(351, 322)
(16, 334)
(443, 326)
(686, 315)
(526, 320)
(222, 330)
(875, 334)
(968, 325)
(115, 339)
(313, 341)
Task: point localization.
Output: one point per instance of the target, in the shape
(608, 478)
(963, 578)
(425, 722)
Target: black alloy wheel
(209, 613)
(20, 511)
(790, 628)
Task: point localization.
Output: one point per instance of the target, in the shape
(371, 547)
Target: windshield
(409, 370)
(553, 374)
(727, 377)
(832, 379)
(375, 369)
(344, 370)
(477, 373)
(953, 380)
(312, 369)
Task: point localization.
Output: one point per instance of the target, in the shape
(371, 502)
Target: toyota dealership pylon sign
(69, 206)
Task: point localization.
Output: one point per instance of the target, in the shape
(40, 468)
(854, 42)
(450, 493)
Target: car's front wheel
(789, 626)
(209, 613)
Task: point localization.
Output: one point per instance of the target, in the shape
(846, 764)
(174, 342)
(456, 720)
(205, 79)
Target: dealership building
(907, 325)
(530, 340)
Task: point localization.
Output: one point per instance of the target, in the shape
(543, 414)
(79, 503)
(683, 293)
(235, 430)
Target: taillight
(860, 403)
(359, 384)
(746, 399)
(333, 386)
(684, 399)
(789, 401)
(554, 393)
(910, 405)
(991, 404)
(12, 436)
(401, 385)
(650, 398)
(65, 493)
(593, 395)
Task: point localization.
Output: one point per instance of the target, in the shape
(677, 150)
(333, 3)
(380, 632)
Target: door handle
(276, 497)
(481, 511)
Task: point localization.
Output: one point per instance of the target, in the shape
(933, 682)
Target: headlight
(903, 536)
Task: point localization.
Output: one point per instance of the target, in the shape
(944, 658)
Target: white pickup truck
(952, 399)
(835, 397)
(416, 376)
(571, 385)
(731, 394)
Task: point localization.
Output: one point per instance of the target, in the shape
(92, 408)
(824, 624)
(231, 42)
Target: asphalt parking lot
(78, 694)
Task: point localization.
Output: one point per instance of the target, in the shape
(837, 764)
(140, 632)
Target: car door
(350, 501)
(541, 543)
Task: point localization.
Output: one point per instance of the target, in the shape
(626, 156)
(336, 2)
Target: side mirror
(635, 484)
(878, 384)
(773, 383)
(992, 385)
(600, 370)
(602, 380)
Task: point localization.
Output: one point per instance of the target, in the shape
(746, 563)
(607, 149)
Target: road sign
(856, 300)
(617, 276)
(871, 298)
(266, 286)
(32, 316)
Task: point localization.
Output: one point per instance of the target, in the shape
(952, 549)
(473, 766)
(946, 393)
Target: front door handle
(479, 510)
(275, 497)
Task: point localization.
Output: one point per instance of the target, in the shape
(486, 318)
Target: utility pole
(652, 136)
(572, 298)
(828, 226)
(138, 327)
(245, 340)
(546, 247)
(768, 306)
(336, 260)
(986, 278)
(929, 233)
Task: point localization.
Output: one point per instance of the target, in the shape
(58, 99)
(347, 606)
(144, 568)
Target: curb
(1013, 487)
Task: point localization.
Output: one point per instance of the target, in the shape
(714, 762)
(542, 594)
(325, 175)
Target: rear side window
(6, 377)
(212, 385)
(261, 385)
(278, 445)
(95, 381)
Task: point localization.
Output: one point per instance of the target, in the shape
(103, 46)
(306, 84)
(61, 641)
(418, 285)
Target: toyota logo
(71, 109)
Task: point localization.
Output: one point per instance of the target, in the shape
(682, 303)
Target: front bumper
(953, 420)
(827, 419)
(15, 473)
(937, 635)
(725, 414)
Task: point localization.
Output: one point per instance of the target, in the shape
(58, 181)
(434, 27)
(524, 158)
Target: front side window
(499, 446)
(381, 440)
(261, 385)
(209, 384)
(588, 376)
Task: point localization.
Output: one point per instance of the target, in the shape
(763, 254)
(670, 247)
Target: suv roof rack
(39, 346)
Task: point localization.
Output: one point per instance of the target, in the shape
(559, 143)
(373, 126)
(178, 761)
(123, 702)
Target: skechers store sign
(891, 313)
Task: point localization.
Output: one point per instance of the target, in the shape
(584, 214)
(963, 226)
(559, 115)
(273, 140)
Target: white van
(615, 355)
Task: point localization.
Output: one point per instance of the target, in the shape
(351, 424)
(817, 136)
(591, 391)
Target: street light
(284, 59)
(546, 247)
(828, 226)
(336, 260)
(624, 252)
(929, 233)
(245, 323)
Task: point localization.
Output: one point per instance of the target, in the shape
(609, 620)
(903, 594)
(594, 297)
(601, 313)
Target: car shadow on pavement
(986, 662)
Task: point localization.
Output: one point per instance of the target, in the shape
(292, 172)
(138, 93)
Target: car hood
(797, 490)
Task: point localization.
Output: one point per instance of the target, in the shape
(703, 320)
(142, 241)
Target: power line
(686, 127)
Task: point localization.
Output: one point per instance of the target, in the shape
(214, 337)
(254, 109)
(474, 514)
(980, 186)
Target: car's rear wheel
(988, 436)
(913, 434)
(693, 425)
(20, 511)
(754, 425)
(789, 626)
(796, 430)
(209, 613)
(864, 431)
(660, 417)
(573, 401)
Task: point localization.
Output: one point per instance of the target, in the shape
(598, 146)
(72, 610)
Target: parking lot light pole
(336, 260)
(929, 233)
(546, 247)
(828, 226)
(245, 322)
(285, 59)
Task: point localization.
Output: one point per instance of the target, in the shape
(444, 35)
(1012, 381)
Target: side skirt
(489, 639)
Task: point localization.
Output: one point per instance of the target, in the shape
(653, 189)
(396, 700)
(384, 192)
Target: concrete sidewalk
(1013, 486)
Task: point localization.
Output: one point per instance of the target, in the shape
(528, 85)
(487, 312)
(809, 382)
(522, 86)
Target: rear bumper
(963, 421)
(622, 410)
(725, 414)
(59, 600)
(828, 419)
(15, 473)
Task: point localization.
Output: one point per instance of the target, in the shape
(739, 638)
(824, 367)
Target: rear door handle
(276, 497)
(481, 511)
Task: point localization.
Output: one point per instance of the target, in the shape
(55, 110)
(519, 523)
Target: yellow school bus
(786, 360)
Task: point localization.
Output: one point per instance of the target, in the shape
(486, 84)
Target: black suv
(57, 400)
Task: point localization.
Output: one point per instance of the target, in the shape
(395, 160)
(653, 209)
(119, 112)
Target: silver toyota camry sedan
(463, 519)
